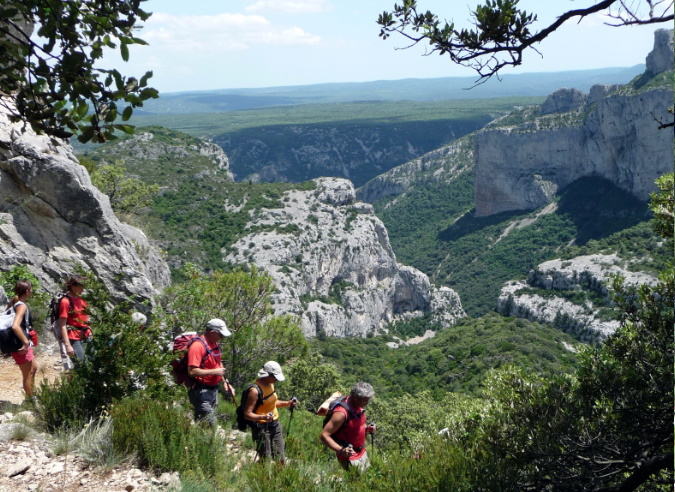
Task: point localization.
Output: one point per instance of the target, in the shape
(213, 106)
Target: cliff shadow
(599, 209)
(467, 224)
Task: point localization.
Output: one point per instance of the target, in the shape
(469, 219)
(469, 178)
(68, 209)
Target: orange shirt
(211, 360)
(75, 318)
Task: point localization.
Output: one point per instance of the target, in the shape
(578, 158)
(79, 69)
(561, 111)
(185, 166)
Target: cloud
(291, 6)
(207, 35)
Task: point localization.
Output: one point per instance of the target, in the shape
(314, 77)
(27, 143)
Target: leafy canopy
(127, 195)
(242, 299)
(54, 76)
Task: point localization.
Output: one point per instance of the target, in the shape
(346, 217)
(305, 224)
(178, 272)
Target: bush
(122, 361)
(162, 437)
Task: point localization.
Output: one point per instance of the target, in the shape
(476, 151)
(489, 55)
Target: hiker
(266, 431)
(23, 329)
(74, 323)
(345, 431)
(206, 368)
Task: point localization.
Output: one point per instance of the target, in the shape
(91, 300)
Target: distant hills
(528, 84)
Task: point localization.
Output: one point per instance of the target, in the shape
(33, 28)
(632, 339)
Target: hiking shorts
(23, 358)
(204, 401)
(269, 439)
(361, 464)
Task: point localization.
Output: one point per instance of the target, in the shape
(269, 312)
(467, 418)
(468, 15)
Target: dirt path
(49, 368)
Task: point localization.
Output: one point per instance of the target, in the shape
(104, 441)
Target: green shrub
(162, 437)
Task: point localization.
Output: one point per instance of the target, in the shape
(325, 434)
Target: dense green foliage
(475, 256)
(60, 86)
(242, 299)
(457, 359)
(162, 438)
(610, 426)
(198, 211)
(127, 195)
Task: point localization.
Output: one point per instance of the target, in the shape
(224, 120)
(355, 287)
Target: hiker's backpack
(340, 402)
(9, 342)
(52, 318)
(242, 423)
(179, 365)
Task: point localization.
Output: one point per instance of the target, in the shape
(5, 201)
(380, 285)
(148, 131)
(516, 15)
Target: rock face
(145, 145)
(354, 151)
(661, 57)
(52, 219)
(563, 100)
(337, 271)
(611, 134)
(585, 273)
(443, 164)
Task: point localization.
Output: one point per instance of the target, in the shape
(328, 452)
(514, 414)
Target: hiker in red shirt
(345, 432)
(74, 321)
(206, 368)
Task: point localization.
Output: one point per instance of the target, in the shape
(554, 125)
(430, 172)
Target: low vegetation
(475, 256)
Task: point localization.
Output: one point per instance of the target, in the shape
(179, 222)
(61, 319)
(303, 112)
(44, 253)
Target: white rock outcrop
(584, 273)
(52, 219)
(615, 137)
(333, 266)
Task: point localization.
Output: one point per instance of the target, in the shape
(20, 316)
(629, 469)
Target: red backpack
(179, 365)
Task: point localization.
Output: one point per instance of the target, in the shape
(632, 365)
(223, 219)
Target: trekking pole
(290, 419)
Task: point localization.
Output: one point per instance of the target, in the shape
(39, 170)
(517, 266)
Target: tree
(127, 195)
(54, 80)
(312, 380)
(502, 32)
(610, 426)
(662, 205)
(242, 299)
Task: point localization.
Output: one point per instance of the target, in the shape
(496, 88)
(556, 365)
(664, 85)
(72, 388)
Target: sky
(224, 44)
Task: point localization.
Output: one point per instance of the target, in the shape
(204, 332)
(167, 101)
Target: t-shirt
(197, 352)
(76, 318)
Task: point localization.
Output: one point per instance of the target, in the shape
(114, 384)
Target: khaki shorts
(361, 464)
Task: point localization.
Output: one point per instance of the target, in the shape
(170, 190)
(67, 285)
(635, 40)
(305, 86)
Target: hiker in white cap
(261, 409)
(206, 368)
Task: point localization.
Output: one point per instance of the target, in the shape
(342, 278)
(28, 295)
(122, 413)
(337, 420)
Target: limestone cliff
(612, 133)
(543, 297)
(354, 150)
(443, 164)
(331, 261)
(52, 218)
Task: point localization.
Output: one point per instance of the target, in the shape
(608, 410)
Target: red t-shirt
(76, 318)
(197, 352)
(354, 432)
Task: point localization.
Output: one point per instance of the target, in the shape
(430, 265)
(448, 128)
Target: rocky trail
(32, 460)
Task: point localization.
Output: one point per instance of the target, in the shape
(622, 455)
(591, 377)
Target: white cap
(271, 368)
(218, 325)
(139, 318)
